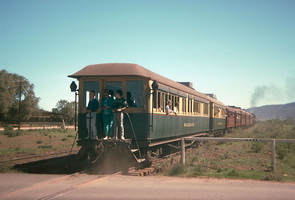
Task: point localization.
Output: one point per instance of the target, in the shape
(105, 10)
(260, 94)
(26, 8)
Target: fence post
(182, 151)
(273, 155)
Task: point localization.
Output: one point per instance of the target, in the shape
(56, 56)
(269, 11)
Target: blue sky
(242, 51)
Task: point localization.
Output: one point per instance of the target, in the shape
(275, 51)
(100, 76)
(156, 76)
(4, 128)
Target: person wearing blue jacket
(91, 116)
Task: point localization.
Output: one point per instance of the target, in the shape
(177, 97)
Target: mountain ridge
(279, 111)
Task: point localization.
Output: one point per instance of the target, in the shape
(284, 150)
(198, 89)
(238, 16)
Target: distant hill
(274, 111)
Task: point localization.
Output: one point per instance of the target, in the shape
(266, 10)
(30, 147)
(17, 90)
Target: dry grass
(22, 143)
(240, 160)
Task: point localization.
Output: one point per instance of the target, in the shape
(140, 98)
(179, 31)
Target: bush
(198, 171)
(8, 128)
(45, 146)
(176, 170)
(233, 173)
(272, 177)
(14, 133)
(282, 150)
(256, 131)
(62, 130)
(256, 147)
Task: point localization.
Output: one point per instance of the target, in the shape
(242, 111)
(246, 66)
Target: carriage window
(175, 103)
(112, 86)
(196, 107)
(155, 94)
(184, 105)
(223, 113)
(206, 110)
(190, 106)
(158, 101)
(161, 102)
(88, 87)
(216, 112)
(135, 94)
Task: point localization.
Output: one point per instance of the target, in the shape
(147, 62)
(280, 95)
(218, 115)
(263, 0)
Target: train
(146, 123)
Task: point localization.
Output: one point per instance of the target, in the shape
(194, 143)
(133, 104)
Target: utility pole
(20, 100)
(19, 103)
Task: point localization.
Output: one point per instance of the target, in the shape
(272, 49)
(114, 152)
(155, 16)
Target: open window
(88, 87)
(184, 104)
(197, 107)
(112, 86)
(206, 109)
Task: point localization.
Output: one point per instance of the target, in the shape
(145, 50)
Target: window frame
(142, 89)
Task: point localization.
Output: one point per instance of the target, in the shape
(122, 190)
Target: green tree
(16, 90)
(65, 109)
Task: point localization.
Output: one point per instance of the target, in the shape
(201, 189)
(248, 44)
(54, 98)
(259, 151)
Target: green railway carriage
(147, 93)
(218, 120)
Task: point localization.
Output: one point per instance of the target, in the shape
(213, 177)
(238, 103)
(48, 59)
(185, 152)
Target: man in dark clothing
(91, 116)
(119, 105)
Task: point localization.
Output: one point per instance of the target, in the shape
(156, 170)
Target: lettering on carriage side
(189, 125)
(220, 123)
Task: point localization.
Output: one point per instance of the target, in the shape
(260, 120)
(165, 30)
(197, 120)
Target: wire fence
(273, 144)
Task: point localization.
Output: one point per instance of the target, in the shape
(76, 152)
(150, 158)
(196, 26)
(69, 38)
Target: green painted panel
(174, 126)
(138, 120)
(140, 124)
(82, 128)
(218, 124)
(163, 126)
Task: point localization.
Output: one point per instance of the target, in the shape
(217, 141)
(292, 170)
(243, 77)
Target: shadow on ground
(109, 163)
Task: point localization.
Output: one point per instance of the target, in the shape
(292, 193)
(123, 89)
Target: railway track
(63, 163)
(172, 151)
(63, 184)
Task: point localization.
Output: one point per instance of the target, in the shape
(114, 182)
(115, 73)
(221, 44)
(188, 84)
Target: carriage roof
(127, 69)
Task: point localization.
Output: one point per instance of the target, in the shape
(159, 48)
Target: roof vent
(187, 84)
(212, 96)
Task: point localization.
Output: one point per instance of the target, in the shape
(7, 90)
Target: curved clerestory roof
(128, 69)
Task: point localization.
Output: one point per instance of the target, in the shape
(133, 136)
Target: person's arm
(124, 105)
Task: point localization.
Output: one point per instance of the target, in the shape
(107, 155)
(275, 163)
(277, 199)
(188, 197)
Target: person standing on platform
(119, 105)
(107, 114)
(91, 116)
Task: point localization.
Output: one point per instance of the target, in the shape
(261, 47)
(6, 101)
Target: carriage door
(88, 86)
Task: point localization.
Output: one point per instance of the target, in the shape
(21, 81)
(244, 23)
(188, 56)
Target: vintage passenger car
(147, 94)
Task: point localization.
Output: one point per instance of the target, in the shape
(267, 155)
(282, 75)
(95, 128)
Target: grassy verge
(22, 143)
(240, 160)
